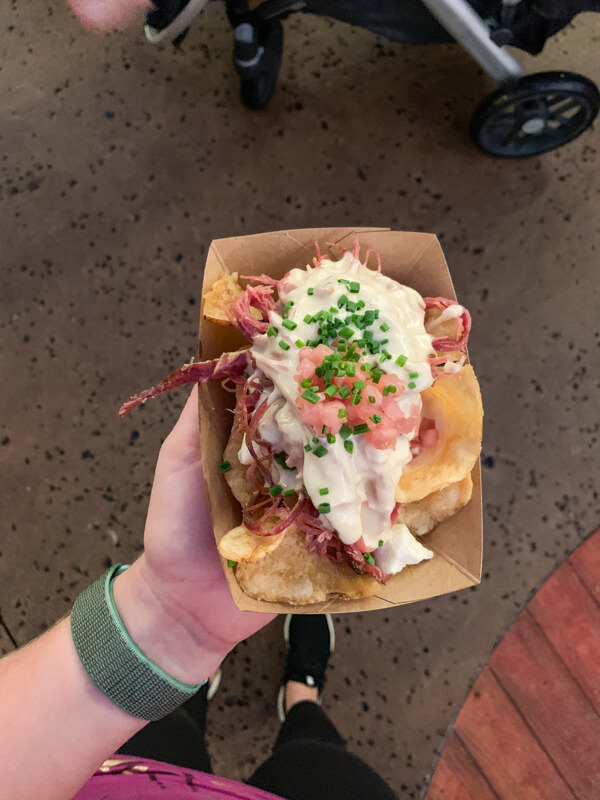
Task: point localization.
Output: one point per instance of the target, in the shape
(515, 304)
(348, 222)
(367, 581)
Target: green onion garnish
(225, 466)
(349, 447)
(320, 451)
(310, 290)
(344, 392)
(372, 399)
(307, 447)
(413, 374)
(280, 459)
(287, 323)
(288, 304)
(231, 563)
(275, 490)
(341, 413)
(401, 360)
(354, 287)
(369, 559)
(412, 385)
(376, 374)
(347, 332)
(272, 331)
(331, 438)
(385, 327)
(299, 343)
(310, 396)
(345, 431)
(389, 388)
(308, 319)
(324, 508)
(376, 419)
(324, 428)
(343, 280)
(284, 345)
(315, 440)
(359, 384)
(289, 492)
(362, 428)
(331, 390)
(380, 543)
(305, 383)
(350, 370)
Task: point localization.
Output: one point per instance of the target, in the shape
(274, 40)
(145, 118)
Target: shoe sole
(178, 26)
(286, 631)
(213, 686)
(286, 639)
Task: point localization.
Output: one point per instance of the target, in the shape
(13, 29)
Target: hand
(105, 15)
(175, 600)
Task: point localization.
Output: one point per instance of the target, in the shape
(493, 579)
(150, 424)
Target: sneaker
(310, 640)
(171, 19)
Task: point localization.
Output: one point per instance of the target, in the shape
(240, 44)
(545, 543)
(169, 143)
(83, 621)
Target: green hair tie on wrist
(112, 660)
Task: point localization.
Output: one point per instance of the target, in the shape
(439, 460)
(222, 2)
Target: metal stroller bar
(466, 26)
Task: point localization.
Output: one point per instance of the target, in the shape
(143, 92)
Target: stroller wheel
(536, 114)
(257, 60)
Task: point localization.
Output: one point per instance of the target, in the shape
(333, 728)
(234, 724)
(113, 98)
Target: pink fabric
(160, 781)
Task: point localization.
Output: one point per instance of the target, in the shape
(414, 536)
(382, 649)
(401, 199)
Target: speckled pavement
(120, 162)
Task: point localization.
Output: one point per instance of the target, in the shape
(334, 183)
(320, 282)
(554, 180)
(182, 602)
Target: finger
(186, 431)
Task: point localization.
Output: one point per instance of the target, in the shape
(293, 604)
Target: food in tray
(357, 423)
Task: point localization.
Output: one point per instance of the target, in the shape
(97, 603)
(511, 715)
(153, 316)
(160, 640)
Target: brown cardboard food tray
(415, 259)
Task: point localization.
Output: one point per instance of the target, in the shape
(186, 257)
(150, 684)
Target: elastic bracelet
(112, 660)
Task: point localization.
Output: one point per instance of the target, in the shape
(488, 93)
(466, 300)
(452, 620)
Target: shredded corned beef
(240, 313)
(357, 561)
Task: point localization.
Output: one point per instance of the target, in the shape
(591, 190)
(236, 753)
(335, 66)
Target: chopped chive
(342, 301)
(360, 304)
(323, 492)
(287, 323)
(412, 385)
(372, 399)
(344, 392)
(401, 360)
(387, 355)
(343, 280)
(225, 466)
(369, 559)
(362, 428)
(350, 370)
(324, 428)
(275, 490)
(347, 332)
(341, 413)
(299, 343)
(354, 287)
(389, 388)
(308, 448)
(305, 383)
(289, 493)
(376, 374)
(328, 375)
(284, 345)
(272, 331)
(380, 543)
(324, 508)
(280, 459)
(413, 374)
(355, 398)
(288, 304)
(385, 327)
(310, 396)
(315, 440)
(331, 390)
(345, 431)
(320, 451)
(331, 438)
(231, 563)
(370, 316)
(359, 384)
(310, 290)
(368, 336)
(308, 319)
(376, 419)
(349, 447)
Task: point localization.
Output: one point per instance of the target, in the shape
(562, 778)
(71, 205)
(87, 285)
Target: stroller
(527, 115)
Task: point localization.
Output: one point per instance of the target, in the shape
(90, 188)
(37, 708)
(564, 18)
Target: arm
(56, 728)
(104, 15)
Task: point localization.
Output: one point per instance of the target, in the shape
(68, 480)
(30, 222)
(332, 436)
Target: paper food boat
(414, 259)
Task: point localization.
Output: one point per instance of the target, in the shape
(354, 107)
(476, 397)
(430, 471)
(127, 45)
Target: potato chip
(422, 516)
(236, 476)
(221, 295)
(447, 328)
(292, 575)
(240, 544)
(454, 402)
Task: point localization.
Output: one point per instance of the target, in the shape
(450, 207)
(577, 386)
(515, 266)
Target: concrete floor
(119, 164)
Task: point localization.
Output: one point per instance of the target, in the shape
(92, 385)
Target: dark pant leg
(310, 762)
(177, 738)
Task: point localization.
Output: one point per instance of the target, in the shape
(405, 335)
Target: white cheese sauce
(360, 484)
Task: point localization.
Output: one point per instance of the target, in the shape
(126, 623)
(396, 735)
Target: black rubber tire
(497, 124)
(256, 92)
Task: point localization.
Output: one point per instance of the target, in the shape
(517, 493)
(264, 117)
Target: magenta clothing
(133, 778)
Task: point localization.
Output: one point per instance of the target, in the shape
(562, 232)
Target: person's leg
(309, 760)
(177, 739)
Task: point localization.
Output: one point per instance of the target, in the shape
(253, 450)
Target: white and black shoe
(310, 640)
(170, 20)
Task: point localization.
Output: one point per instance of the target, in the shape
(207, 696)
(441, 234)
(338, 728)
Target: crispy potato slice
(454, 402)
(221, 295)
(422, 516)
(236, 476)
(292, 575)
(447, 328)
(240, 544)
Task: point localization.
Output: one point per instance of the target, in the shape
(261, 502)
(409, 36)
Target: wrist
(189, 656)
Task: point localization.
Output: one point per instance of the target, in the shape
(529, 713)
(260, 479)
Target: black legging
(309, 759)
